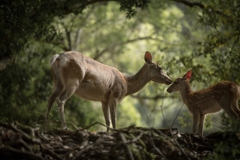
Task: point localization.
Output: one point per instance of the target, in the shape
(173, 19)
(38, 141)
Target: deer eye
(175, 82)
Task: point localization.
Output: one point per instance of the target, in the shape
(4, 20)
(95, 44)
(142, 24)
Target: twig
(20, 142)
(200, 5)
(12, 153)
(79, 156)
(120, 129)
(125, 144)
(152, 98)
(50, 120)
(175, 139)
(51, 153)
(176, 116)
(25, 136)
(157, 149)
(135, 139)
(176, 143)
(56, 121)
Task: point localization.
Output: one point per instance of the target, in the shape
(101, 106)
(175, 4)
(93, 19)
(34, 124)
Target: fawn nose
(169, 90)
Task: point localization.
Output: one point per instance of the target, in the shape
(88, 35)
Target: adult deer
(77, 74)
(223, 95)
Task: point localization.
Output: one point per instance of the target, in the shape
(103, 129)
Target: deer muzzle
(169, 81)
(169, 90)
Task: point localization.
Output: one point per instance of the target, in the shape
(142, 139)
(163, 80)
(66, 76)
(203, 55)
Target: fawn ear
(148, 57)
(188, 75)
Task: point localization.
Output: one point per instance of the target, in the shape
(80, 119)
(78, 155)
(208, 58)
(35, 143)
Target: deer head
(180, 82)
(156, 72)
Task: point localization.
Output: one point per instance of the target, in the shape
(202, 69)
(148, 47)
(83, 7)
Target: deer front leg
(201, 124)
(195, 122)
(105, 109)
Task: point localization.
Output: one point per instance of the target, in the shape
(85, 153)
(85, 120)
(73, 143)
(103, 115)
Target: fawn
(77, 74)
(223, 95)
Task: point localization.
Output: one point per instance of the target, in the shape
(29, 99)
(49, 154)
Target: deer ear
(148, 57)
(188, 75)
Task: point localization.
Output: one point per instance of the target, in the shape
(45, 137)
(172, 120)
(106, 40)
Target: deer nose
(169, 81)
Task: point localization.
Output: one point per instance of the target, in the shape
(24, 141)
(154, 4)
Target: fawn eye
(175, 82)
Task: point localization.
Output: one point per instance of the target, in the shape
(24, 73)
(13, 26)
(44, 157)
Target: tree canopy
(22, 20)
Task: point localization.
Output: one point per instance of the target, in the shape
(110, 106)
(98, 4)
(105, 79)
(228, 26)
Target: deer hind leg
(105, 109)
(64, 96)
(113, 112)
(113, 102)
(58, 87)
(226, 105)
(236, 109)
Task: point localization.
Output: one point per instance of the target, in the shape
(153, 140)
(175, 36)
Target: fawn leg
(225, 104)
(236, 109)
(195, 122)
(201, 124)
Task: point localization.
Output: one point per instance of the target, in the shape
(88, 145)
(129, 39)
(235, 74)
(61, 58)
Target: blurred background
(180, 38)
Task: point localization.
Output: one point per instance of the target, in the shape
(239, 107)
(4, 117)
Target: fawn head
(156, 72)
(180, 82)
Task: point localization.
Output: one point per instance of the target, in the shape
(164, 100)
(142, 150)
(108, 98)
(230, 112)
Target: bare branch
(190, 4)
(151, 98)
(95, 1)
(121, 43)
(80, 28)
(198, 4)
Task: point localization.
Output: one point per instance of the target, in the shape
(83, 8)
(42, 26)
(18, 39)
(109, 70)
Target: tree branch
(121, 43)
(151, 98)
(190, 4)
(95, 1)
(198, 4)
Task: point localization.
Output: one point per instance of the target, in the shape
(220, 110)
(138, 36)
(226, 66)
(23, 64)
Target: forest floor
(23, 142)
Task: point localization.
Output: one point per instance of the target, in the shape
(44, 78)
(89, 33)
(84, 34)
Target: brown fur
(223, 95)
(77, 74)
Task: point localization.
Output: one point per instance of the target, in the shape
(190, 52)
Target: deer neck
(185, 91)
(138, 81)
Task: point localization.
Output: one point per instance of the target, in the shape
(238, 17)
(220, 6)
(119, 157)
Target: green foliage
(130, 6)
(227, 150)
(229, 124)
(127, 114)
(18, 82)
(22, 20)
(185, 120)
